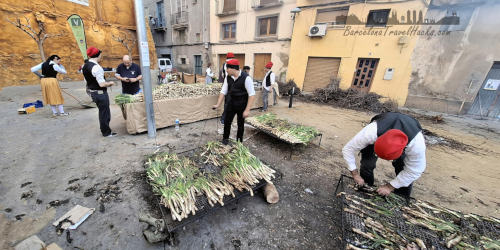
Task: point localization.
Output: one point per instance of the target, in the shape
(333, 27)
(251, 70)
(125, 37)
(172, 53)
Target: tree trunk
(40, 47)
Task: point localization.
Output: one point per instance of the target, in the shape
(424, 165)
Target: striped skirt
(51, 92)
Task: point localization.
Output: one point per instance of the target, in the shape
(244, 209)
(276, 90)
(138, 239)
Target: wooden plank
(259, 64)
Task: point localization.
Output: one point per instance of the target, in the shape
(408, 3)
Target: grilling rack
(470, 232)
(292, 144)
(204, 208)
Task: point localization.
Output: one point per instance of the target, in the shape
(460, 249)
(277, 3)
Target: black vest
(48, 70)
(91, 80)
(268, 79)
(405, 123)
(237, 90)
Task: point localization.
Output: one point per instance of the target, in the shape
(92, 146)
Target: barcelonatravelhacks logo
(384, 23)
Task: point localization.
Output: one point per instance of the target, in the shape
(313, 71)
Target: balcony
(226, 7)
(159, 24)
(179, 20)
(262, 4)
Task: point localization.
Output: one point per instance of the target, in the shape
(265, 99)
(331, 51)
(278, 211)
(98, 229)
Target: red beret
(391, 144)
(230, 55)
(92, 51)
(233, 62)
(269, 65)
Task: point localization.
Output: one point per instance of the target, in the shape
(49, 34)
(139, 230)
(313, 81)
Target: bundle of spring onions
(215, 172)
(180, 90)
(122, 99)
(283, 129)
(379, 232)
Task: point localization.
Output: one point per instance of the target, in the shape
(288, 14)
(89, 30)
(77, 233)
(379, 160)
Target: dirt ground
(63, 159)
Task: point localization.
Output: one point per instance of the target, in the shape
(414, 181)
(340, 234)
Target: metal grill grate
(202, 204)
(471, 232)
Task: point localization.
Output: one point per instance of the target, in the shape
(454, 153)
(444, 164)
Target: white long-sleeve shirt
(59, 68)
(414, 161)
(248, 85)
(209, 72)
(97, 72)
(272, 80)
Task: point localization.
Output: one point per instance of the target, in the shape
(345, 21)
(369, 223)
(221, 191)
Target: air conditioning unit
(317, 30)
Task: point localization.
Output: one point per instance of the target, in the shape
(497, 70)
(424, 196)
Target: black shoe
(111, 135)
(264, 110)
(225, 141)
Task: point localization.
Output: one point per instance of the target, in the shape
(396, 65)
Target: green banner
(76, 24)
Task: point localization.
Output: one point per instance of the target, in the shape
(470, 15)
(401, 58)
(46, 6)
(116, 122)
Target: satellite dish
(314, 30)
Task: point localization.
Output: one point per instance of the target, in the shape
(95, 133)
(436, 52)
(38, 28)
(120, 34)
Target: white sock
(61, 110)
(53, 109)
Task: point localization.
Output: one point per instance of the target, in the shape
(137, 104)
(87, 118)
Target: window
(377, 18)
(332, 17)
(183, 60)
(229, 5)
(229, 31)
(198, 37)
(268, 26)
(364, 74)
(160, 7)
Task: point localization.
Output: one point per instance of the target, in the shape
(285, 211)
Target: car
(165, 64)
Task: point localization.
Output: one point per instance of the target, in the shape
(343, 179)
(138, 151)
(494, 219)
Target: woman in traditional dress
(51, 90)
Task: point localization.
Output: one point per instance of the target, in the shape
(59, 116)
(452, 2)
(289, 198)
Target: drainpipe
(172, 59)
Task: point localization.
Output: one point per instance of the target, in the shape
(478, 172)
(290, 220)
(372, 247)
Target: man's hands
(132, 79)
(246, 113)
(357, 178)
(385, 190)
(215, 106)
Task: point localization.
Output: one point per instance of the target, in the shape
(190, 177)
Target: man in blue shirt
(130, 74)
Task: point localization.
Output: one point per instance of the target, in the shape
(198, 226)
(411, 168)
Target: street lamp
(295, 12)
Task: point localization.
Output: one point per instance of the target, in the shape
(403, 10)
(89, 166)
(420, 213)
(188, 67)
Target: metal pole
(146, 73)
(291, 98)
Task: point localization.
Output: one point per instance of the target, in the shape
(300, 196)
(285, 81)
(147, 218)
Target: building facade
(256, 31)
(181, 32)
(367, 44)
(459, 72)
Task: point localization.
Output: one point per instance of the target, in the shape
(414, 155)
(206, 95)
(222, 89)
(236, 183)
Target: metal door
(487, 101)
(197, 65)
(319, 72)
(365, 73)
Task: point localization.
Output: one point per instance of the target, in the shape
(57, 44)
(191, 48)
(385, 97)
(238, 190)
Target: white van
(165, 64)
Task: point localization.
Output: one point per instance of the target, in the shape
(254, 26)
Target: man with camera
(130, 74)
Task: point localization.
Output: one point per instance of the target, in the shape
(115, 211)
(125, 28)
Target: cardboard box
(27, 110)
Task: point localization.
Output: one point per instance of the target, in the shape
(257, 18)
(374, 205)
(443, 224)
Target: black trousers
(231, 111)
(102, 101)
(227, 98)
(369, 162)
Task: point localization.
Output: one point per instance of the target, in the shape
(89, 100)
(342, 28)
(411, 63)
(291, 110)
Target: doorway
(259, 64)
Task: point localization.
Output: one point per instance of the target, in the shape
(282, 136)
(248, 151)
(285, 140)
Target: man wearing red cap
(268, 85)
(98, 88)
(391, 136)
(239, 86)
(222, 77)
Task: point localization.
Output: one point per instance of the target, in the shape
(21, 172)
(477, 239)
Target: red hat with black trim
(391, 144)
(233, 64)
(230, 55)
(92, 51)
(269, 65)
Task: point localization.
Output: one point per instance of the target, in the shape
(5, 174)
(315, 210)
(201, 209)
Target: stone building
(181, 30)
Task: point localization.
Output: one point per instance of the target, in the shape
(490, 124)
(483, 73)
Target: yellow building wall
(246, 40)
(337, 43)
